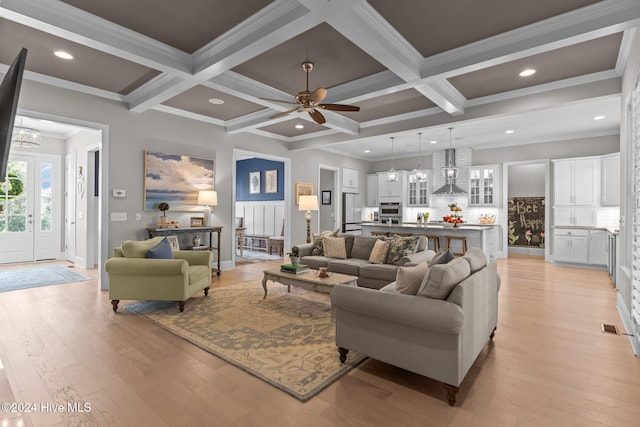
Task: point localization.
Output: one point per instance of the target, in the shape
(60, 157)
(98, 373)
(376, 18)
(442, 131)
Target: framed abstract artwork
(175, 179)
(254, 182)
(271, 181)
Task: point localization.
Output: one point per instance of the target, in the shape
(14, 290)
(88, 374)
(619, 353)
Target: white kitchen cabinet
(372, 190)
(574, 216)
(418, 191)
(576, 182)
(391, 191)
(610, 182)
(571, 245)
(349, 180)
(484, 188)
(598, 247)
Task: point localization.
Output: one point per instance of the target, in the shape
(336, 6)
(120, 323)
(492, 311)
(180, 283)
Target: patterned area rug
(287, 339)
(33, 277)
(250, 257)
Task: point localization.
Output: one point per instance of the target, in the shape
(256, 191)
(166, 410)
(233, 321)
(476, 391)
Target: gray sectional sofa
(356, 263)
(436, 329)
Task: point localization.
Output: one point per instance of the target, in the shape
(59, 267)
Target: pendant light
(450, 171)
(392, 175)
(419, 173)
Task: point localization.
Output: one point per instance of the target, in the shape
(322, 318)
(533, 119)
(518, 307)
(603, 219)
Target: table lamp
(308, 203)
(207, 198)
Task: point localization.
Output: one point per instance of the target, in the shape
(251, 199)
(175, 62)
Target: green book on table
(294, 267)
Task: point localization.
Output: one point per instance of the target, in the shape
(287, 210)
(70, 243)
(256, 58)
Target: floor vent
(610, 329)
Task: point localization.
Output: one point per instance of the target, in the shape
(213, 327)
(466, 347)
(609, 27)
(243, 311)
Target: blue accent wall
(244, 167)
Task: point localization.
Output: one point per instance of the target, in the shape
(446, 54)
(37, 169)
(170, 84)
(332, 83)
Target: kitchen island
(483, 236)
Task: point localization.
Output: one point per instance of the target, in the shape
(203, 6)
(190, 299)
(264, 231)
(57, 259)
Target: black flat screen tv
(9, 94)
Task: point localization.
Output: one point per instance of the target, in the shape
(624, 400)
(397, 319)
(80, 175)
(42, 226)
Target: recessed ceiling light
(62, 54)
(433, 142)
(367, 151)
(509, 132)
(299, 126)
(216, 101)
(528, 72)
(599, 118)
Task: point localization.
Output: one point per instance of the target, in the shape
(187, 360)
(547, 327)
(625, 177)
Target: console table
(160, 231)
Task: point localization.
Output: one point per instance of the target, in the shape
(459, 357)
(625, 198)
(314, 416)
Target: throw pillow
(334, 247)
(318, 249)
(138, 249)
(442, 258)
(422, 243)
(379, 252)
(442, 278)
(399, 247)
(161, 251)
(476, 259)
(409, 279)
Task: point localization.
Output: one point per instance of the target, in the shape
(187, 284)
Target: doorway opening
(329, 198)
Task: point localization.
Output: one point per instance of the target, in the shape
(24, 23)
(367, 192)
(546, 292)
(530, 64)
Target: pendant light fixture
(24, 137)
(450, 171)
(419, 173)
(392, 175)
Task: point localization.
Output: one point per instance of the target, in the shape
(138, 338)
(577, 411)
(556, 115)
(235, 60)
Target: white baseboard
(625, 316)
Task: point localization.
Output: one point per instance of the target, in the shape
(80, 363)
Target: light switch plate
(118, 216)
(119, 193)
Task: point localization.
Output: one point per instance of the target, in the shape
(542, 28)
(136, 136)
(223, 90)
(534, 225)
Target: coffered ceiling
(411, 65)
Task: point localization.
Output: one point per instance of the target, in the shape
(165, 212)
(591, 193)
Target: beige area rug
(287, 339)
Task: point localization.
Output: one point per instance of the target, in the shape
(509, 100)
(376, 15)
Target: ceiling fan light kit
(310, 102)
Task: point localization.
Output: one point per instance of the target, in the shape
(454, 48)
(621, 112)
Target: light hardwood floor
(549, 365)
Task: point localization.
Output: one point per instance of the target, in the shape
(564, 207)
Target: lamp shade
(208, 197)
(308, 203)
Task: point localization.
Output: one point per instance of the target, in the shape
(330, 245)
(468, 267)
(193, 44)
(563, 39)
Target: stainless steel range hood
(450, 187)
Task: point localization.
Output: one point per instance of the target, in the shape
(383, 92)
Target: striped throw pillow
(334, 247)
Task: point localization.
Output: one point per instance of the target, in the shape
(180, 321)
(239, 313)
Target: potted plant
(294, 255)
(163, 207)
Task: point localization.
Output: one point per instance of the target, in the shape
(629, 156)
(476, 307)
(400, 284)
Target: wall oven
(390, 209)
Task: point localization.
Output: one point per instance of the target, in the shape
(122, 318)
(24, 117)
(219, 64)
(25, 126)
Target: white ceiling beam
(273, 25)
(444, 95)
(253, 121)
(156, 91)
(65, 21)
(587, 23)
(248, 89)
(374, 85)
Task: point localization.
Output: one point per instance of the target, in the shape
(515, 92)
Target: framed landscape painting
(303, 189)
(175, 179)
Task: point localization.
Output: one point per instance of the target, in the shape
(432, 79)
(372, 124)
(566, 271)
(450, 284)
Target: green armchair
(132, 276)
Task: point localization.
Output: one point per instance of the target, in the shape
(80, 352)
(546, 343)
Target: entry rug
(33, 277)
(287, 339)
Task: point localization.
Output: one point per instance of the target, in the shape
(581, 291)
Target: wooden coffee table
(307, 280)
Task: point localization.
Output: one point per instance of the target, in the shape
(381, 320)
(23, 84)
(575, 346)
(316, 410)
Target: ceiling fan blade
(318, 95)
(277, 100)
(317, 117)
(339, 107)
(282, 114)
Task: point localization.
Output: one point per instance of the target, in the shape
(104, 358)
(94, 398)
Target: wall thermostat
(119, 193)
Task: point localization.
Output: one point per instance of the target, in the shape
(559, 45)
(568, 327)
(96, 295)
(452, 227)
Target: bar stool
(380, 233)
(403, 234)
(436, 241)
(463, 241)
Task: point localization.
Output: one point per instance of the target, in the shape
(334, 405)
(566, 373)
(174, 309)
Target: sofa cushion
(476, 259)
(318, 249)
(362, 247)
(315, 262)
(349, 266)
(389, 287)
(161, 251)
(138, 249)
(399, 247)
(442, 258)
(409, 279)
(442, 278)
(348, 242)
(334, 247)
(422, 243)
(385, 272)
(379, 252)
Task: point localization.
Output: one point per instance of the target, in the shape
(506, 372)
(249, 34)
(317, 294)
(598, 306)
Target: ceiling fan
(311, 101)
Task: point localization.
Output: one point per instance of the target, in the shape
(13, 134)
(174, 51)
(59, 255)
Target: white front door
(29, 228)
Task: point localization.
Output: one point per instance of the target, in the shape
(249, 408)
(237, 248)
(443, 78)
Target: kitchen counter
(483, 236)
(611, 230)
